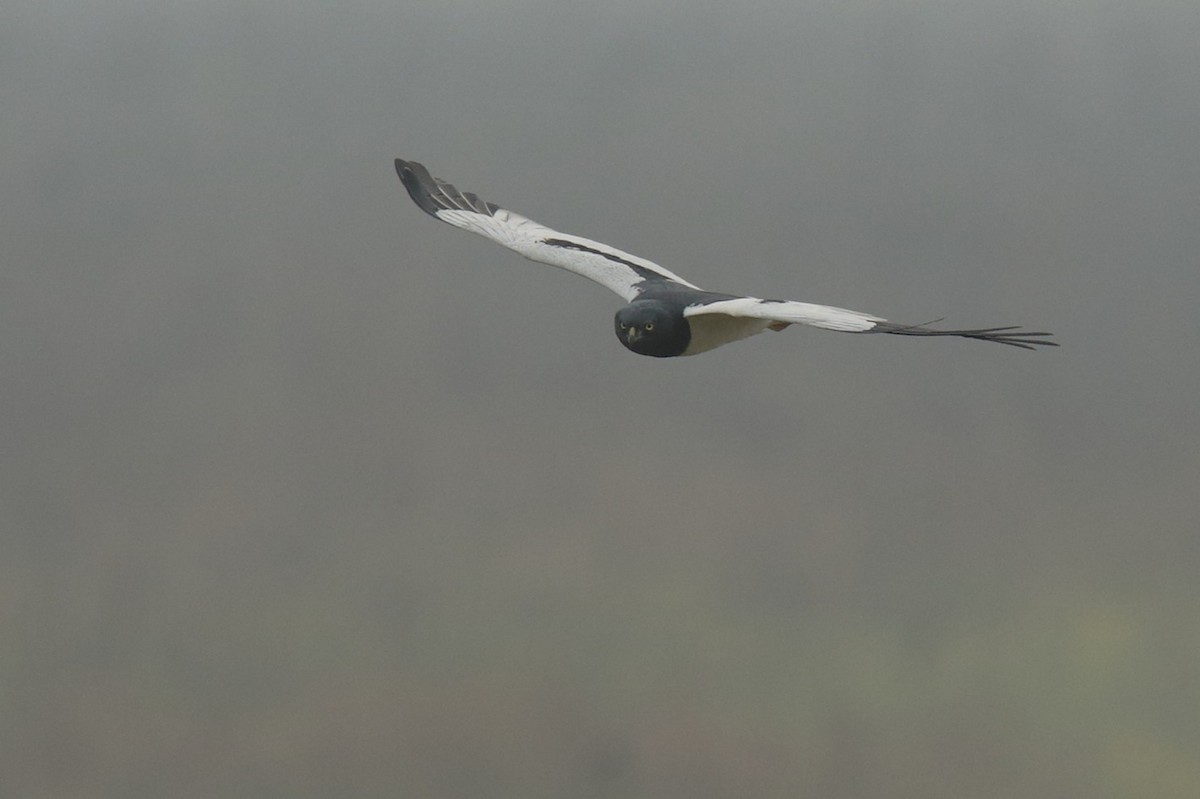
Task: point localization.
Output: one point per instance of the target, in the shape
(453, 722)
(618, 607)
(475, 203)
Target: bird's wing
(787, 312)
(618, 271)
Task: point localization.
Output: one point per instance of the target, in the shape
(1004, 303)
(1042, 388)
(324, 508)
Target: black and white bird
(666, 315)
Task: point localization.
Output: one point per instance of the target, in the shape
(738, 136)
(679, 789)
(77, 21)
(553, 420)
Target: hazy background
(304, 494)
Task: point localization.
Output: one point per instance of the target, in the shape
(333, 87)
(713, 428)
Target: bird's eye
(623, 325)
(649, 326)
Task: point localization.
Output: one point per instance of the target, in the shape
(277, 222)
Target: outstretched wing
(787, 312)
(618, 271)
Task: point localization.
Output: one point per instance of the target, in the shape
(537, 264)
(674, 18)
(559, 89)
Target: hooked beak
(632, 334)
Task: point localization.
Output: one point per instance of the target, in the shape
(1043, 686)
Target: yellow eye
(649, 326)
(623, 325)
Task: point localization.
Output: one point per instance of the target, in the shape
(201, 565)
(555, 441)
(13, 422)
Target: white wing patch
(789, 312)
(618, 271)
(615, 270)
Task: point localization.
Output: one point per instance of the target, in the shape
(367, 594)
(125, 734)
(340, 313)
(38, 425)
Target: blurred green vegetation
(557, 662)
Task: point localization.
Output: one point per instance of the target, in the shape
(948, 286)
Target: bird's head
(648, 327)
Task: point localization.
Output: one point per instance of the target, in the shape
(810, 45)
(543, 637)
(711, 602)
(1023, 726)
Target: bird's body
(666, 316)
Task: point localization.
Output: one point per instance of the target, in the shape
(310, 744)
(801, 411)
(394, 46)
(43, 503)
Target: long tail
(1011, 335)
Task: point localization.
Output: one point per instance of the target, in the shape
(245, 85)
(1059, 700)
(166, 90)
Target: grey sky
(239, 363)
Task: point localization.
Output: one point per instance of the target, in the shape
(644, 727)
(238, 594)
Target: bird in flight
(666, 316)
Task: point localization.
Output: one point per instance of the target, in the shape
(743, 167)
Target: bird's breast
(710, 331)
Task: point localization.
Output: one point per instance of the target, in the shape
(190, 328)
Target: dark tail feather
(1011, 335)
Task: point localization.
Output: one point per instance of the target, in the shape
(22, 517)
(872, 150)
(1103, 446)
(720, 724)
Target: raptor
(665, 315)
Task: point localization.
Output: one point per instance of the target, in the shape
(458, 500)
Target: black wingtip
(419, 183)
(1012, 335)
(405, 169)
(434, 195)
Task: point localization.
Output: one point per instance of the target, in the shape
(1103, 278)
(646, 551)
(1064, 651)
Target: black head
(649, 327)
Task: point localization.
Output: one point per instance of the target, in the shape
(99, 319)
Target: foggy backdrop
(305, 494)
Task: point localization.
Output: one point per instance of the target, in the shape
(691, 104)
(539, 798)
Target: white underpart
(523, 235)
(786, 311)
(710, 331)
